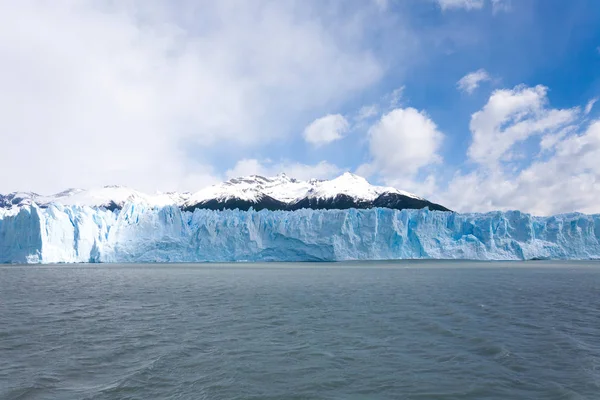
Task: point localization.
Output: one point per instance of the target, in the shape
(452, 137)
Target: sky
(478, 105)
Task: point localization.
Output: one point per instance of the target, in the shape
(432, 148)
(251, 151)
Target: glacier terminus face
(140, 232)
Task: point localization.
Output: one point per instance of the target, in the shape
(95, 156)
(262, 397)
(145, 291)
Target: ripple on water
(382, 332)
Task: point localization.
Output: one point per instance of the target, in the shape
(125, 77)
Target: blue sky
(477, 104)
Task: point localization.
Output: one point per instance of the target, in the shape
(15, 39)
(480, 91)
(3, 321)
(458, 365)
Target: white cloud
(590, 105)
(510, 117)
(116, 92)
(456, 4)
(326, 129)
(402, 142)
(526, 156)
(565, 176)
(471, 81)
(367, 112)
(550, 140)
(321, 170)
(556, 171)
(569, 180)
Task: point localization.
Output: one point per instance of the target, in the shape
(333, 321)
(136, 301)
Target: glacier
(142, 232)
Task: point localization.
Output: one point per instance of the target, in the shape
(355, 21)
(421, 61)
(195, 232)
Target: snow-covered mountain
(285, 193)
(16, 199)
(275, 193)
(109, 197)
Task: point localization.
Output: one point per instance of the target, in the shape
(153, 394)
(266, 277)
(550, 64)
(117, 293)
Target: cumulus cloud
(401, 143)
(321, 170)
(564, 177)
(567, 181)
(471, 81)
(558, 171)
(326, 129)
(510, 117)
(100, 93)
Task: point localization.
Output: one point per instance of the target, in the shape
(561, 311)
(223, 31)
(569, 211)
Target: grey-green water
(409, 330)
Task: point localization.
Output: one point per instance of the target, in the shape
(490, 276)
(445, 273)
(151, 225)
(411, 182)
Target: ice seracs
(143, 233)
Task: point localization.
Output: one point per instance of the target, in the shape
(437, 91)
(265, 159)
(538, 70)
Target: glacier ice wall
(143, 233)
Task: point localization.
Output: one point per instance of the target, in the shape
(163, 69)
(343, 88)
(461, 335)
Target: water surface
(404, 330)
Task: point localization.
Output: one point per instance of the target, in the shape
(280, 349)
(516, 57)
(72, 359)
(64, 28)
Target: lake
(359, 330)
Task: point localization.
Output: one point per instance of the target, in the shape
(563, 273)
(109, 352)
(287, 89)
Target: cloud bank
(97, 93)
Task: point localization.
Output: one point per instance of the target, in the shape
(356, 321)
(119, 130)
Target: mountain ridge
(254, 191)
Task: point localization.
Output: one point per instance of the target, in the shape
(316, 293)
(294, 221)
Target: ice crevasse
(143, 233)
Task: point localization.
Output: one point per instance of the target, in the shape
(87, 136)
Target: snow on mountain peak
(348, 179)
(252, 188)
(285, 178)
(69, 192)
(243, 188)
(289, 190)
(353, 185)
(107, 196)
(350, 176)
